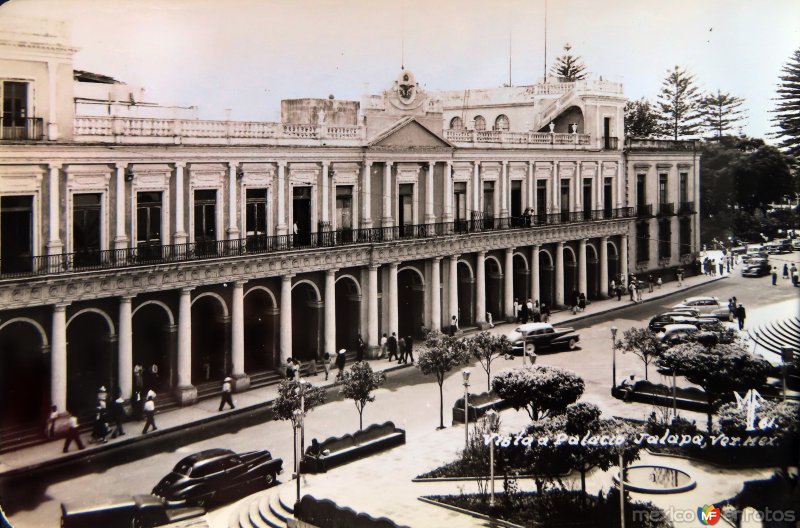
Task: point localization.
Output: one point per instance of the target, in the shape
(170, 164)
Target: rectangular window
(664, 239)
(684, 190)
(685, 236)
(641, 193)
(662, 189)
(488, 205)
(15, 110)
(148, 225)
(587, 198)
(344, 212)
(564, 200)
(86, 229)
(405, 208)
(541, 201)
(460, 206)
(516, 202)
(16, 234)
(301, 214)
(642, 242)
(255, 218)
(608, 195)
(205, 221)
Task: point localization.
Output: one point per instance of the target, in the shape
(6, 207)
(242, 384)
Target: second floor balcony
(666, 209)
(686, 208)
(21, 128)
(151, 255)
(506, 138)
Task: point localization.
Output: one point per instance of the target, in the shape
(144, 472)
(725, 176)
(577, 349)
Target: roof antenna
(509, 58)
(545, 42)
(403, 35)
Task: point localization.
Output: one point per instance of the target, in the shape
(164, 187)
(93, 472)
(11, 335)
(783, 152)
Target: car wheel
(269, 479)
(205, 500)
(530, 348)
(572, 344)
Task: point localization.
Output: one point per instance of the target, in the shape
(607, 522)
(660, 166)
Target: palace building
(137, 234)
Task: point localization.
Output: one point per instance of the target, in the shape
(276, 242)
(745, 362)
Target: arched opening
(306, 322)
(24, 376)
(563, 123)
(210, 353)
(90, 362)
(570, 276)
(456, 123)
(480, 123)
(502, 123)
(522, 278)
(152, 345)
(494, 288)
(410, 303)
(260, 323)
(546, 279)
(592, 273)
(348, 313)
(613, 264)
(466, 289)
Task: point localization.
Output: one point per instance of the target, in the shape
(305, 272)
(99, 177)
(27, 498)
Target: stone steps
(267, 509)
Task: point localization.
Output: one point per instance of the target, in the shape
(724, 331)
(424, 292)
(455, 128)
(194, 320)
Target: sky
(247, 55)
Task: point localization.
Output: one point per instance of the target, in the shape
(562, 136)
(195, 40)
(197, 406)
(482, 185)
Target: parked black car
(139, 511)
(756, 268)
(532, 337)
(218, 475)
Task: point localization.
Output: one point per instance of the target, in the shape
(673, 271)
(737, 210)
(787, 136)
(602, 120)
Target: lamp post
(492, 418)
(465, 374)
(298, 420)
(614, 356)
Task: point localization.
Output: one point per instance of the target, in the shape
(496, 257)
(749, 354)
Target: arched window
(501, 123)
(480, 123)
(456, 123)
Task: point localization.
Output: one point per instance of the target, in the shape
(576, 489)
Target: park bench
(338, 450)
(691, 399)
(479, 404)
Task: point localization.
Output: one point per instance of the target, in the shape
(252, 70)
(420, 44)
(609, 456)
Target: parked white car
(707, 306)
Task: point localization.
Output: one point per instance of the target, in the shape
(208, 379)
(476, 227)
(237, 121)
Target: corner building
(137, 234)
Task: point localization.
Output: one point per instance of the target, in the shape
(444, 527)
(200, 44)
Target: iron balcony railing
(666, 209)
(644, 211)
(610, 143)
(686, 208)
(21, 129)
(259, 244)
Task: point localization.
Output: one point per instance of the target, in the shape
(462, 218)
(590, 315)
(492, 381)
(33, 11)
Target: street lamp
(492, 419)
(465, 374)
(297, 422)
(614, 357)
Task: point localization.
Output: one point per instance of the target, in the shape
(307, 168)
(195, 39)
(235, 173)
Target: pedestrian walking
(150, 415)
(361, 347)
(650, 283)
(537, 312)
(721, 268)
(741, 314)
(453, 325)
(50, 428)
(659, 283)
(489, 319)
(619, 292)
(410, 349)
(138, 378)
(384, 341)
(226, 395)
(326, 364)
(73, 434)
(517, 310)
(632, 291)
(794, 278)
(118, 415)
(341, 359)
(582, 302)
(391, 346)
(100, 427)
(545, 313)
(613, 288)
(774, 275)
(401, 344)
(639, 288)
(785, 271)
(679, 275)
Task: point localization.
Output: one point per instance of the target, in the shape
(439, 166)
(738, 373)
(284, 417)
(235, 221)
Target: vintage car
(138, 511)
(532, 337)
(218, 475)
(658, 322)
(756, 268)
(707, 306)
(677, 333)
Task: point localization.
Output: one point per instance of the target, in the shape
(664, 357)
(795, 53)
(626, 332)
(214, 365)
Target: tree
(643, 343)
(486, 347)
(678, 104)
(749, 174)
(443, 353)
(718, 371)
(358, 383)
(289, 395)
(568, 68)
(787, 106)
(641, 120)
(721, 111)
(541, 390)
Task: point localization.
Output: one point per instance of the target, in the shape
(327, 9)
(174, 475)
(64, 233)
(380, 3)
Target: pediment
(409, 133)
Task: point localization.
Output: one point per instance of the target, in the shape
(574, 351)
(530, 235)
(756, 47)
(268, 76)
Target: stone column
(559, 300)
(436, 299)
(54, 244)
(393, 316)
(430, 218)
(366, 197)
(233, 224)
(179, 237)
(325, 200)
(286, 318)
(535, 288)
(185, 391)
(125, 344)
(480, 290)
(579, 189)
(58, 359)
(476, 187)
(604, 282)
(447, 187)
(387, 220)
(241, 379)
(452, 289)
(281, 192)
(121, 238)
(508, 286)
(582, 267)
(531, 186)
(52, 110)
(623, 258)
(504, 185)
(372, 308)
(330, 312)
(620, 186)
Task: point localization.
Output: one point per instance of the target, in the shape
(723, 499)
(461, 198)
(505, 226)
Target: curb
(492, 520)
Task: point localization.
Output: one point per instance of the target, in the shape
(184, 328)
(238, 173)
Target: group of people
(738, 311)
(788, 272)
(578, 302)
(400, 349)
(531, 311)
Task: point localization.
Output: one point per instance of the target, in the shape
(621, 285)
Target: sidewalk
(205, 411)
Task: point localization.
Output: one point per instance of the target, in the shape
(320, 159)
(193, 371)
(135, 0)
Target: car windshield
(183, 468)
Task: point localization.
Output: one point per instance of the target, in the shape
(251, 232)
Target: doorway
(301, 215)
(16, 234)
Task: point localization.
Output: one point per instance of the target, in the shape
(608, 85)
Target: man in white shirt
(226, 394)
(150, 414)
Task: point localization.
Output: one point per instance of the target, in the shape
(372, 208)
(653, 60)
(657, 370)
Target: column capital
(604, 238)
(179, 164)
(121, 165)
(54, 165)
(332, 272)
(325, 164)
(388, 163)
(477, 163)
(232, 164)
(288, 277)
(561, 244)
(454, 257)
(367, 163)
(394, 265)
(373, 267)
(126, 298)
(436, 259)
(187, 291)
(481, 253)
(281, 164)
(583, 241)
(537, 247)
(510, 250)
(60, 307)
(239, 283)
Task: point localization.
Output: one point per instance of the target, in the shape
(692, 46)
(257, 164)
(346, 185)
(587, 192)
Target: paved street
(381, 485)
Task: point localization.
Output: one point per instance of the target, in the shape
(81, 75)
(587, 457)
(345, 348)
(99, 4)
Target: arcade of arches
(61, 355)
